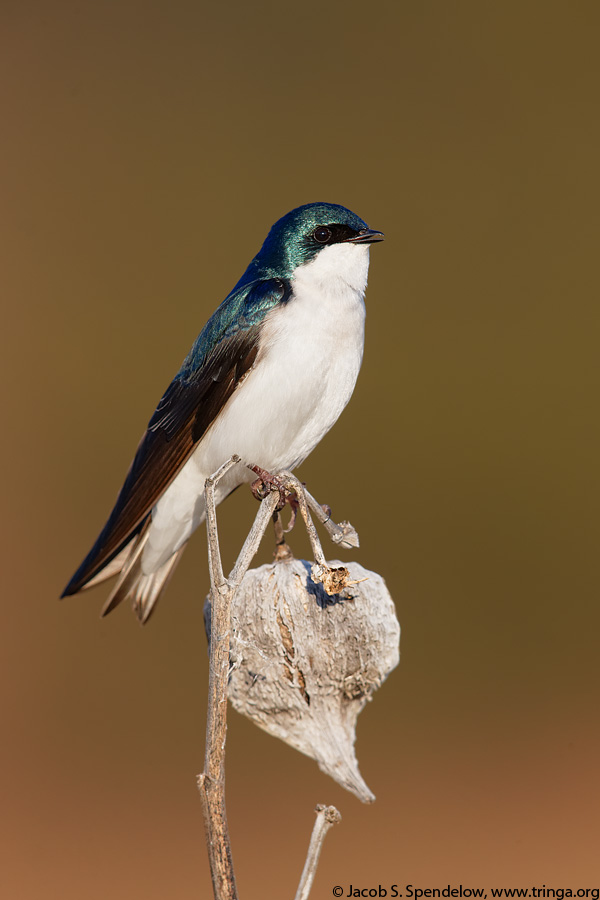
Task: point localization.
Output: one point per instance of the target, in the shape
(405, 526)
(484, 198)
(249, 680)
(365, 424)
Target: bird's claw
(266, 483)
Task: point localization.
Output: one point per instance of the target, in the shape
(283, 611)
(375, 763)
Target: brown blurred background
(146, 149)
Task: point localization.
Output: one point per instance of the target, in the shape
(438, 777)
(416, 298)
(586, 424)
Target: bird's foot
(266, 483)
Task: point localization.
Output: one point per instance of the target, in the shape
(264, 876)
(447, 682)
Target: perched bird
(266, 378)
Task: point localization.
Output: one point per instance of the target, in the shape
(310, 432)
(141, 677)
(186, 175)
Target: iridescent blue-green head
(301, 234)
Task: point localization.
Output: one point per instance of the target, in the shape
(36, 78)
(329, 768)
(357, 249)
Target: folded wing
(224, 352)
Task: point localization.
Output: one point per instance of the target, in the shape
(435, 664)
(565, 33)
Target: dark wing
(223, 353)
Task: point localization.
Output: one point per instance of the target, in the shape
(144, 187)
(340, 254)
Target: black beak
(366, 236)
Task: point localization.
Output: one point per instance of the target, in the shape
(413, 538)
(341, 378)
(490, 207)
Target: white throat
(336, 269)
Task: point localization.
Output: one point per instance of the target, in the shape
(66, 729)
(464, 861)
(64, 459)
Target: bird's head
(308, 231)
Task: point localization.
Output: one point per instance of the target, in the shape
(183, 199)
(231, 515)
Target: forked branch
(211, 782)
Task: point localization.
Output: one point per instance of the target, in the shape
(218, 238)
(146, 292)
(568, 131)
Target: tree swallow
(267, 377)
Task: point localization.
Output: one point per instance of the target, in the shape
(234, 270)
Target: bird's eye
(322, 234)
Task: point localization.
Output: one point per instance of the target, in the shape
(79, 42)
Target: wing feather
(224, 352)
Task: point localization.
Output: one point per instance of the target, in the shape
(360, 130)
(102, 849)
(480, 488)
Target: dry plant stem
(282, 549)
(211, 782)
(278, 528)
(292, 482)
(251, 544)
(343, 534)
(326, 817)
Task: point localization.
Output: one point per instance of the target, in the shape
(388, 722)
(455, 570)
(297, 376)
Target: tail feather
(110, 569)
(144, 590)
(149, 587)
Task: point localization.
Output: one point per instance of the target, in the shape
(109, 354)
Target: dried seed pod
(305, 663)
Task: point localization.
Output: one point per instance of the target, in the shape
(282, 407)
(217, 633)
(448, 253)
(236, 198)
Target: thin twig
(217, 579)
(282, 549)
(326, 817)
(343, 534)
(251, 544)
(293, 483)
(211, 782)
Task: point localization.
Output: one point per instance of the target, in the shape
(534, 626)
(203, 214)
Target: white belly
(309, 358)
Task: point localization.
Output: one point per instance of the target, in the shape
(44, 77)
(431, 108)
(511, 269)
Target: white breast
(310, 355)
(309, 358)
